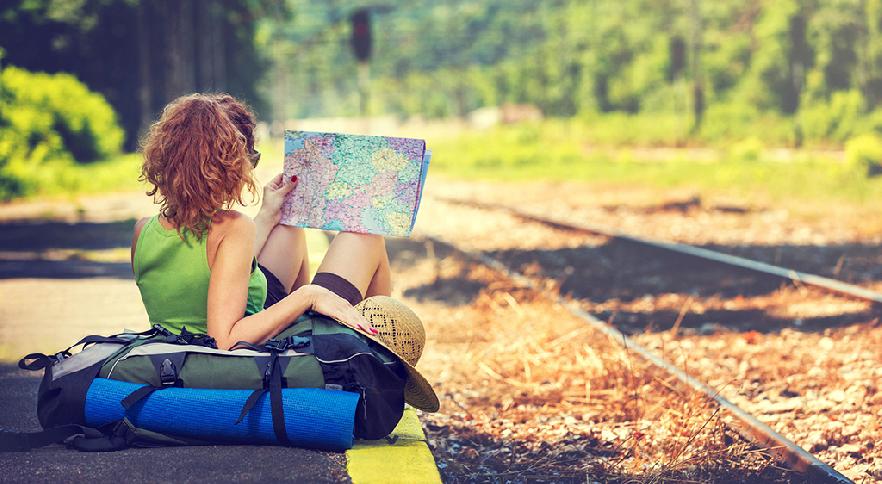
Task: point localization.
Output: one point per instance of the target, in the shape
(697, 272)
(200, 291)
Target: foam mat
(314, 418)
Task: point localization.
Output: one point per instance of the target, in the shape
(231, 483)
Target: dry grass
(531, 393)
(803, 361)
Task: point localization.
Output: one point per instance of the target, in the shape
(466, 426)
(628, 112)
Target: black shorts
(275, 291)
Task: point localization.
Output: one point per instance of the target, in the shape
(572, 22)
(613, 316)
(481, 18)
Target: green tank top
(173, 274)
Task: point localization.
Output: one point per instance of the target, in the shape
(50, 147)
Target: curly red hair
(240, 114)
(198, 159)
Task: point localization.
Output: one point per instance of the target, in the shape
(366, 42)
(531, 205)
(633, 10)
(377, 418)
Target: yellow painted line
(408, 460)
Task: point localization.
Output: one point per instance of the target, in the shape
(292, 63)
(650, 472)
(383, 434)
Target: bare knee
(370, 240)
(358, 235)
(290, 230)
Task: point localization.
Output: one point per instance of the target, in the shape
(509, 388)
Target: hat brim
(417, 391)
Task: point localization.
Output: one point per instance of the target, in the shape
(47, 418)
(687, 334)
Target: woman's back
(199, 161)
(173, 275)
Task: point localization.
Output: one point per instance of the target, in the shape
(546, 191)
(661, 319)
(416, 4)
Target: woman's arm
(264, 224)
(228, 294)
(137, 232)
(274, 194)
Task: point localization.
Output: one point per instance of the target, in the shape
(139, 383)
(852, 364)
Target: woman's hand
(326, 302)
(274, 194)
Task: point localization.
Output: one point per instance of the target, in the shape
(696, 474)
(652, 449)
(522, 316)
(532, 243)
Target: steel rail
(745, 424)
(806, 278)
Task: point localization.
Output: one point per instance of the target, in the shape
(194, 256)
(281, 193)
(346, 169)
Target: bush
(647, 129)
(836, 120)
(749, 149)
(737, 120)
(50, 119)
(83, 120)
(864, 153)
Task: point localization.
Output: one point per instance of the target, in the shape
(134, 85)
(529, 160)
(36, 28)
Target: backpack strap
(136, 396)
(117, 437)
(263, 364)
(116, 338)
(275, 393)
(248, 346)
(249, 404)
(272, 383)
(188, 338)
(300, 343)
(26, 441)
(112, 437)
(167, 369)
(39, 361)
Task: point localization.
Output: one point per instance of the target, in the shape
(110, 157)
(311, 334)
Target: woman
(203, 266)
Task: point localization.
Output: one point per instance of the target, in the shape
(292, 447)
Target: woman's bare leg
(362, 260)
(381, 284)
(285, 255)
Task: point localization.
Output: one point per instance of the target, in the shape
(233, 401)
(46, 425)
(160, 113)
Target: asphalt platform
(60, 281)
(57, 463)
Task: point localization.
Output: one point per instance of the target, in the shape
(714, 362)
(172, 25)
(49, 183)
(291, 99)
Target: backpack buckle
(276, 345)
(168, 374)
(268, 373)
(297, 342)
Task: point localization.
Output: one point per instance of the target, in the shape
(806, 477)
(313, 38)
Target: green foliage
(838, 119)
(785, 72)
(621, 129)
(56, 178)
(837, 32)
(528, 146)
(750, 149)
(47, 122)
(556, 150)
(738, 120)
(70, 116)
(141, 54)
(770, 82)
(864, 153)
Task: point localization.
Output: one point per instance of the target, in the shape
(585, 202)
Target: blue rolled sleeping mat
(314, 418)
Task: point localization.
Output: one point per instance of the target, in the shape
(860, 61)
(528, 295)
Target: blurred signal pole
(362, 44)
(362, 47)
(697, 87)
(799, 55)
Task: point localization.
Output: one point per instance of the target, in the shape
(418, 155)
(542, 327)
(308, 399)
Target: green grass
(563, 151)
(569, 150)
(53, 179)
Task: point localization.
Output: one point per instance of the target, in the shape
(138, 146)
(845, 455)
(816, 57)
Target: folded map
(354, 183)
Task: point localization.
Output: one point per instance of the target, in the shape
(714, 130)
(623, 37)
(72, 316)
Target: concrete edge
(407, 460)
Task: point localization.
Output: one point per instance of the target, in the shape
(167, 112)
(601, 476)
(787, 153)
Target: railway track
(797, 277)
(742, 421)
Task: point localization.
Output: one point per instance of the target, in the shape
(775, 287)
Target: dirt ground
(529, 393)
(807, 363)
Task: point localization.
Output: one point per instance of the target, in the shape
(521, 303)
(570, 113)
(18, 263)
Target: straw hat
(402, 333)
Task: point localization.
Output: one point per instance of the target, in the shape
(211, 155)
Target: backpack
(316, 359)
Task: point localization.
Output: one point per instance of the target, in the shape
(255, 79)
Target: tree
(178, 46)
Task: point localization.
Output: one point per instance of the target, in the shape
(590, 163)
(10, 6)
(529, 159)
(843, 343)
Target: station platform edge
(405, 459)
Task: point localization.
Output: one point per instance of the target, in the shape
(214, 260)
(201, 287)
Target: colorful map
(354, 183)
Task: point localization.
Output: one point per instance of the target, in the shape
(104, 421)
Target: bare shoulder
(233, 223)
(139, 224)
(136, 233)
